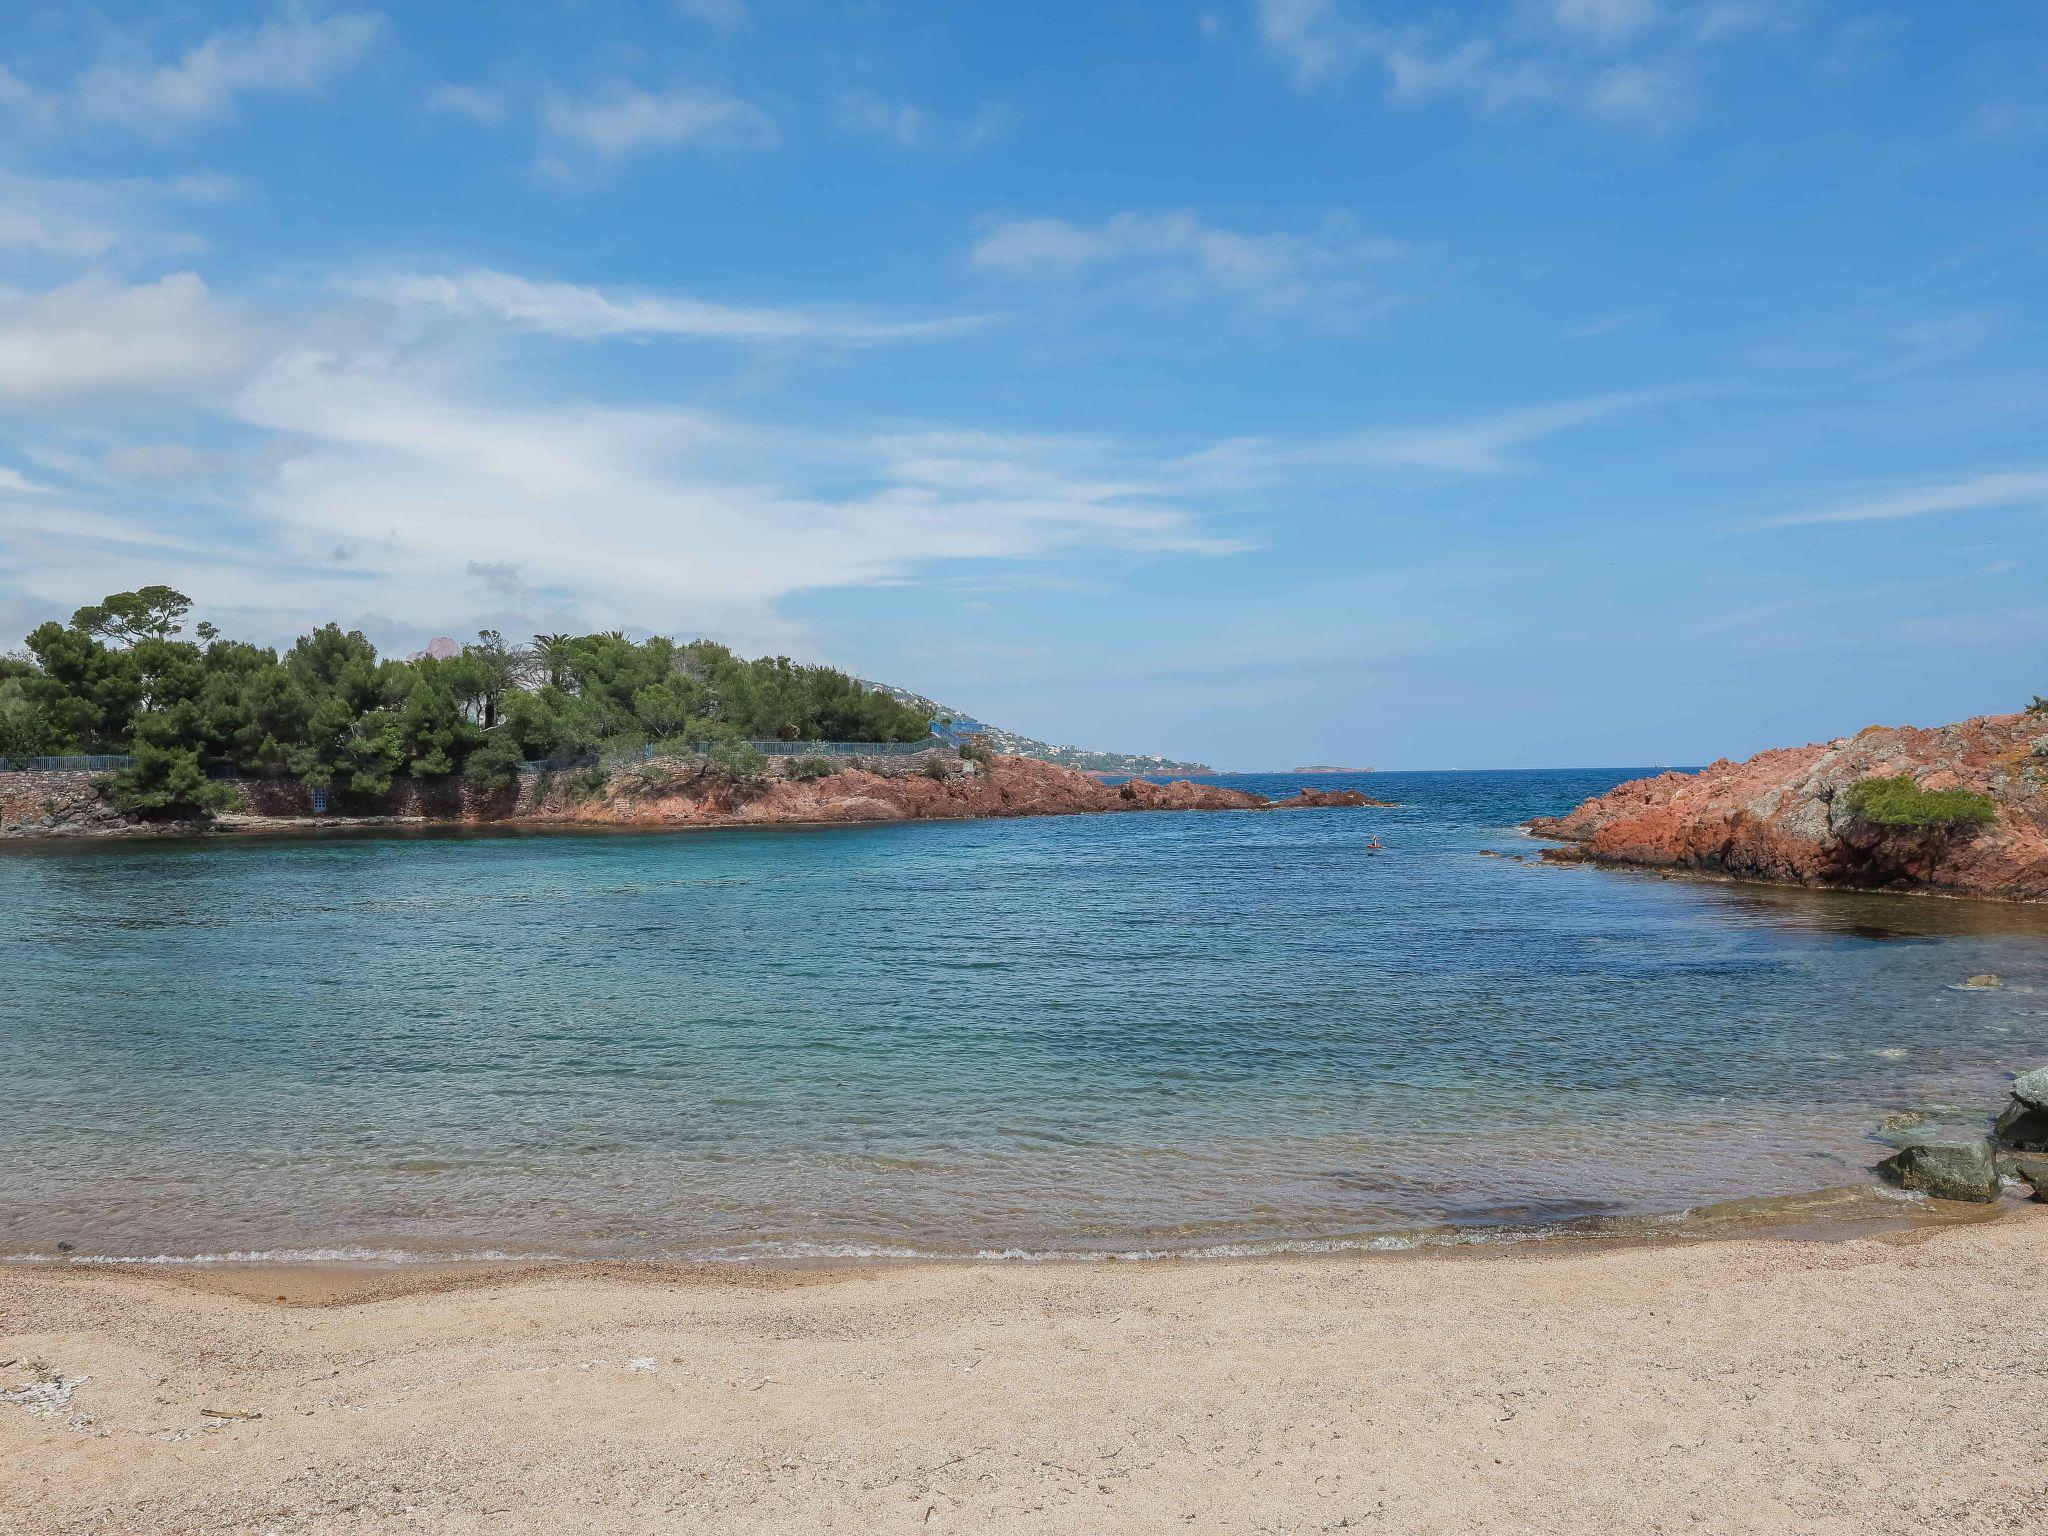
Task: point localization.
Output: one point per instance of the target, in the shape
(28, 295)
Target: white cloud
(292, 52)
(96, 336)
(624, 119)
(14, 483)
(2001, 489)
(589, 314)
(1183, 256)
(1312, 36)
(1475, 69)
(470, 101)
(658, 517)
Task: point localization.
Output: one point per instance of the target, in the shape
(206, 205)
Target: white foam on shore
(297, 1256)
(1673, 1223)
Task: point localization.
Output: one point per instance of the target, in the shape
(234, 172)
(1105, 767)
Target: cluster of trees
(119, 679)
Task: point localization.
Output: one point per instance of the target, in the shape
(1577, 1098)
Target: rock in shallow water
(1958, 1168)
(2030, 1171)
(2025, 1121)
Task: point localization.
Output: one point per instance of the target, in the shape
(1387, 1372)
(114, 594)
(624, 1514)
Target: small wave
(1752, 1213)
(297, 1256)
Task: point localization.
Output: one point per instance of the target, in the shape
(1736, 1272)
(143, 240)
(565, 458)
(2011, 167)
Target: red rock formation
(1009, 786)
(660, 793)
(1776, 816)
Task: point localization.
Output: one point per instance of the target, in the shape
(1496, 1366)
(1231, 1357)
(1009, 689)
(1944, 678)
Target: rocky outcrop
(2024, 1124)
(1006, 786)
(670, 792)
(1779, 815)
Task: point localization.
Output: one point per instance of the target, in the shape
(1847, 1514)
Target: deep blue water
(1118, 1033)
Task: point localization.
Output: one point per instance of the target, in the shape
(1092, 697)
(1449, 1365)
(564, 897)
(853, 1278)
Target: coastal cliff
(1789, 816)
(661, 793)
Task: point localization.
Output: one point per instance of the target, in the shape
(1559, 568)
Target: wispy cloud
(351, 433)
(588, 313)
(291, 52)
(1608, 22)
(470, 101)
(726, 14)
(23, 100)
(2006, 488)
(624, 119)
(98, 221)
(1181, 256)
(1619, 60)
(1480, 446)
(909, 126)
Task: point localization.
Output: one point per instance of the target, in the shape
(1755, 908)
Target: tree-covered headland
(120, 678)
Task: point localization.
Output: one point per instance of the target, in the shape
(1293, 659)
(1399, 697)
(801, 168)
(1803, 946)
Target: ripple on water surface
(1153, 1033)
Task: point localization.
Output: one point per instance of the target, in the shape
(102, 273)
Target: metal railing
(649, 752)
(849, 748)
(82, 764)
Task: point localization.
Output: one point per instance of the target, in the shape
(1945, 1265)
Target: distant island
(1011, 744)
(1328, 768)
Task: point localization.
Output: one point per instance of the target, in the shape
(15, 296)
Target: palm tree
(552, 656)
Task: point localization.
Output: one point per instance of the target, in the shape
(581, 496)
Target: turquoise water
(1131, 1033)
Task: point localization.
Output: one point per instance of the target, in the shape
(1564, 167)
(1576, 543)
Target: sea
(1149, 1035)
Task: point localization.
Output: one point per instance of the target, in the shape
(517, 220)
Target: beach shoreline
(1761, 1384)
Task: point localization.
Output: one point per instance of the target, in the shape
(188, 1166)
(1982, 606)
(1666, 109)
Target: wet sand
(1879, 1384)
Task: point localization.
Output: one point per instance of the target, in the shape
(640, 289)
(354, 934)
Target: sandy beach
(1870, 1385)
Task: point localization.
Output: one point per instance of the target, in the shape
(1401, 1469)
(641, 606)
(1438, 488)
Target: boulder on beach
(2025, 1121)
(1946, 1167)
(2030, 1171)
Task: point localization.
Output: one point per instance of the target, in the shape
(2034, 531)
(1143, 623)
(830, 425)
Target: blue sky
(1545, 382)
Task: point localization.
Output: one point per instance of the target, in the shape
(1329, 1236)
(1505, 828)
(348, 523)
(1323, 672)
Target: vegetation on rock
(1899, 802)
(329, 711)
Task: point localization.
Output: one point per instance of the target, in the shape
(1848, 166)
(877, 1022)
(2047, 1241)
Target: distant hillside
(1010, 742)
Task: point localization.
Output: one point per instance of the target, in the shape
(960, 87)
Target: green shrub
(586, 783)
(978, 752)
(2039, 706)
(1899, 802)
(737, 761)
(937, 768)
(808, 768)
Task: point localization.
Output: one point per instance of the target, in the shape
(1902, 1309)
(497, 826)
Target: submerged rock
(1985, 983)
(1947, 1167)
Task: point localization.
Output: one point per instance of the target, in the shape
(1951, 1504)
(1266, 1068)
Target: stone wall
(55, 804)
